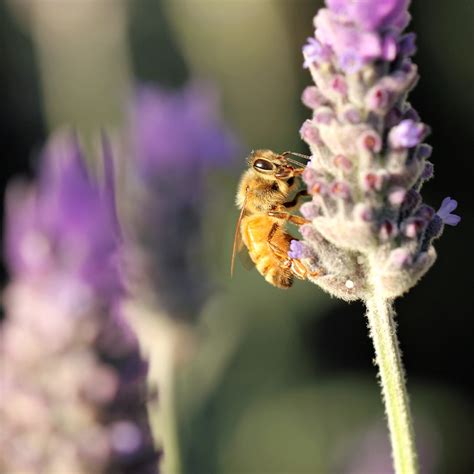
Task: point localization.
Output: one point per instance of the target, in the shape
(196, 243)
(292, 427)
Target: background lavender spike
(177, 141)
(73, 379)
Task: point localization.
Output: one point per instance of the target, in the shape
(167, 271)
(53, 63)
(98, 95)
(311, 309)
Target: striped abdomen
(272, 264)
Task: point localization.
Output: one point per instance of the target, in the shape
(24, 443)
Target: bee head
(266, 162)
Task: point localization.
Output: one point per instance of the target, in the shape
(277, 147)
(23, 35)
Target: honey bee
(263, 198)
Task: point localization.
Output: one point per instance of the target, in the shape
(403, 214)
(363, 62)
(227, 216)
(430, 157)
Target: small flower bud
(339, 85)
(342, 163)
(407, 134)
(324, 115)
(309, 210)
(389, 47)
(412, 201)
(310, 176)
(407, 44)
(425, 212)
(312, 98)
(319, 188)
(397, 196)
(351, 114)
(400, 258)
(428, 171)
(340, 189)
(310, 233)
(412, 227)
(393, 117)
(310, 134)
(362, 212)
(433, 230)
(314, 52)
(387, 230)
(373, 181)
(411, 114)
(377, 99)
(370, 141)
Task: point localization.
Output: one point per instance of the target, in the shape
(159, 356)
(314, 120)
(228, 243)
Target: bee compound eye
(263, 165)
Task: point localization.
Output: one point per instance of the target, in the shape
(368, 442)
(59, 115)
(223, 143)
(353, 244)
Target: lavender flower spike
(177, 140)
(373, 241)
(73, 380)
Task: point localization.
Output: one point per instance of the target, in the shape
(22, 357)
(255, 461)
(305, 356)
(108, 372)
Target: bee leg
(285, 261)
(296, 200)
(289, 172)
(281, 254)
(280, 214)
(300, 270)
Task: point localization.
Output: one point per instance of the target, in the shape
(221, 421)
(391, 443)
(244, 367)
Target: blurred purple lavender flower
(178, 140)
(73, 380)
(67, 225)
(366, 140)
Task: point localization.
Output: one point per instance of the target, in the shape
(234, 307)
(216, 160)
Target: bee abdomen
(264, 264)
(255, 232)
(279, 277)
(270, 268)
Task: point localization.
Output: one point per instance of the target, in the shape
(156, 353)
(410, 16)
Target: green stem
(158, 338)
(392, 379)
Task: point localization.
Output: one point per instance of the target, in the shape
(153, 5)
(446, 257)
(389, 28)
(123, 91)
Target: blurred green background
(280, 382)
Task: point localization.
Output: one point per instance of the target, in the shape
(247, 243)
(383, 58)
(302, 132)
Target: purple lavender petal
(315, 52)
(406, 134)
(372, 14)
(444, 212)
(452, 219)
(299, 250)
(354, 47)
(448, 205)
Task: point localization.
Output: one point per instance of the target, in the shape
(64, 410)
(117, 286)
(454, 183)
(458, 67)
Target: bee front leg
(287, 172)
(282, 213)
(295, 202)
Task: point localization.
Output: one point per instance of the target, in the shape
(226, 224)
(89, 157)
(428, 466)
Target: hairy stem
(392, 379)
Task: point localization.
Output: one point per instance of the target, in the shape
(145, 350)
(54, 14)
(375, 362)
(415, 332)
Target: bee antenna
(294, 162)
(306, 157)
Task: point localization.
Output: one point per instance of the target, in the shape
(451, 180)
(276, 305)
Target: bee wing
(245, 259)
(238, 244)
